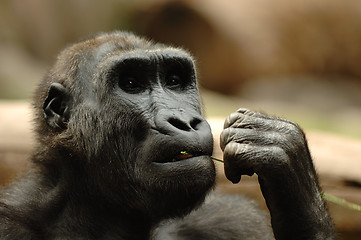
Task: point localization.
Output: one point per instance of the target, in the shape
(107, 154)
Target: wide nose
(178, 121)
(183, 123)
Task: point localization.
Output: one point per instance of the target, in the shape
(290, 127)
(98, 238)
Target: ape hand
(256, 143)
(276, 150)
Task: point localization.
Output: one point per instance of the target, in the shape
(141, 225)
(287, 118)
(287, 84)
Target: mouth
(178, 157)
(182, 156)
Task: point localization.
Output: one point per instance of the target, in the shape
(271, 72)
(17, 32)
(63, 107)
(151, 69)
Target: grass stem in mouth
(213, 158)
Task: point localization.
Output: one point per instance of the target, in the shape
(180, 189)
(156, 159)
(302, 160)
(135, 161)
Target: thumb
(231, 168)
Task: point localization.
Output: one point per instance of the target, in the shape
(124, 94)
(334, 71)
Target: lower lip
(182, 157)
(194, 166)
(185, 161)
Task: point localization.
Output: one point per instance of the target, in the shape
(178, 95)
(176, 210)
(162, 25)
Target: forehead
(157, 53)
(106, 49)
(101, 55)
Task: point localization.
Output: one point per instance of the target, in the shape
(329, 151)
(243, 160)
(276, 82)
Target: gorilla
(123, 152)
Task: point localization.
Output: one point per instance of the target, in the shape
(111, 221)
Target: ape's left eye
(174, 81)
(178, 73)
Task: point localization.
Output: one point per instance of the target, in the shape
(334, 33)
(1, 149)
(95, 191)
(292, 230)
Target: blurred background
(298, 59)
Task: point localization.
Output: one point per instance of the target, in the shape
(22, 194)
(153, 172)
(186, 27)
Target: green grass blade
(216, 159)
(341, 202)
(326, 196)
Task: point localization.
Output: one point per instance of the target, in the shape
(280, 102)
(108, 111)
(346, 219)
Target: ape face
(126, 109)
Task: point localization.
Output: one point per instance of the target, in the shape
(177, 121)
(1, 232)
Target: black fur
(112, 118)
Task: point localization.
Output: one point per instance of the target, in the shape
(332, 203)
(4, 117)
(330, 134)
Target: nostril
(195, 123)
(179, 124)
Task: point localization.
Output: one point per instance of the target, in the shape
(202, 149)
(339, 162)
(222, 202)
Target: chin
(176, 188)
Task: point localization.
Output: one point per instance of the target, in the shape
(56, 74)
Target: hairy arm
(276, 150)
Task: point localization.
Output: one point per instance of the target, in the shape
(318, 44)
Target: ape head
(113, 116)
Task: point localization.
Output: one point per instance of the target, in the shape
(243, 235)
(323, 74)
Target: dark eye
(130, 84)
(131, 75)
(178, 73)
(174, 81)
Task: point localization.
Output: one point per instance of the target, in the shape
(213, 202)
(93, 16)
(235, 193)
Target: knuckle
(247, 112)
(278, 157)
(245, 136)
(243, 110)
(226, 136)
(290, 130)
(245, 123)
(239, 135)
(295, 134)
(278, 152)
(290, 127)
(233, 117)
(293, 128)
(234, 150)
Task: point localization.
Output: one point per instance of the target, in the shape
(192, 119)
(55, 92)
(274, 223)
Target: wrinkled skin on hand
(276, 150)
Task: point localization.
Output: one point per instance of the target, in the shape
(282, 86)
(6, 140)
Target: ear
(56, 106)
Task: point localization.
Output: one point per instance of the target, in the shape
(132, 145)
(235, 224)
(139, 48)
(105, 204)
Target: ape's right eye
(129, 74)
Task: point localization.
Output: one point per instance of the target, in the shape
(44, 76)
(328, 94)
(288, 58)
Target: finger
(260, 122)
(248, 112)
(250, 136)
(233, 166)
(245, 118)
(237, 135)
(231, 119)
(237, 116)
(246, 159)
(232, 173)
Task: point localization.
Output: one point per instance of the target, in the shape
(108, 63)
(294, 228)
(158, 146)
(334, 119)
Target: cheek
(86, 131)
(123, 134)
(96, 132)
